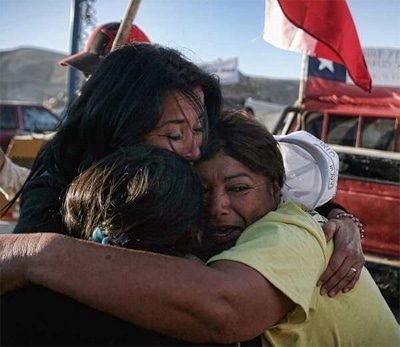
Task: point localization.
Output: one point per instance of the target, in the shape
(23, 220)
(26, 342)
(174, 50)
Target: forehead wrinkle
(231, 177)
(172, 121)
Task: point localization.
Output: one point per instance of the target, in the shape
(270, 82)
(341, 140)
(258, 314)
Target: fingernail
(323, 291)
(345, 290)
(319, 283)
(331, 294)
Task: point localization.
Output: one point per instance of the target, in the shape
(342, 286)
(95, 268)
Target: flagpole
(126, 23)
(302, 82)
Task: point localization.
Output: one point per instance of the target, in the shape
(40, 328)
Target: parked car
(20, 118)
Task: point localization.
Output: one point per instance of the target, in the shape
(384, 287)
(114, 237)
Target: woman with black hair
(141, 93)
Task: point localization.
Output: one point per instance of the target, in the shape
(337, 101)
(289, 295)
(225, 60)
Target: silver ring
(353, 269)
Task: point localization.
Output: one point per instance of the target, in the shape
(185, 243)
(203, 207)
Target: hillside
(33, 74)
(284, 92)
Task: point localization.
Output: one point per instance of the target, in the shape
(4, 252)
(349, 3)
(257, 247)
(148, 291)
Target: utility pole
(75, 25)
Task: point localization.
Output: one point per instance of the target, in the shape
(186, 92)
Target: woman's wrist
(334, 212)
(337, 213)
(19, 259)
(40, 251)
(354, 219)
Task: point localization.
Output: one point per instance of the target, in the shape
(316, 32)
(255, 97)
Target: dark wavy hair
(120, 103)
(249, 142)
(152, 195)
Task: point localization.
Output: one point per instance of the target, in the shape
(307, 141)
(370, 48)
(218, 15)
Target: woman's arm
(174, 296)
(348, 253)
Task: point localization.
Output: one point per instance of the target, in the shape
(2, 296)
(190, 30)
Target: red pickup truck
(364, 129)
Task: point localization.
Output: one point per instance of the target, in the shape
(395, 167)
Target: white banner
(226, 70)
(383, 65)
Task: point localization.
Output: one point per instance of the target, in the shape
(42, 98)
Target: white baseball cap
(312, 169)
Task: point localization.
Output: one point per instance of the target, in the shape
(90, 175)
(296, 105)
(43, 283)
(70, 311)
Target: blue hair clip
(99, 237)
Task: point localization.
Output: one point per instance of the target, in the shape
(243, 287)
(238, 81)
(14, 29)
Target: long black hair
(120, 103)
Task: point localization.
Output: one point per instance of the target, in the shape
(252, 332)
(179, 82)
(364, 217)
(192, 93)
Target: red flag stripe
(334, 34)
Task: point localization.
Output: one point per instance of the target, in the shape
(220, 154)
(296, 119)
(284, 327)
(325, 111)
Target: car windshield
(38, 119)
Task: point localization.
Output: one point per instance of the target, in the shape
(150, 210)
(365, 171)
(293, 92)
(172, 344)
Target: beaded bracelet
(354, 219)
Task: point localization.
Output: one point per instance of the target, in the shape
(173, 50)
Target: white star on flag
(326, 64)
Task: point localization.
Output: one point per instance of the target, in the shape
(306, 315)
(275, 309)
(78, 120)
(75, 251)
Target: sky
(204, 30)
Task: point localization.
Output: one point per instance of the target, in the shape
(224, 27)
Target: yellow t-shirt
(288, 248)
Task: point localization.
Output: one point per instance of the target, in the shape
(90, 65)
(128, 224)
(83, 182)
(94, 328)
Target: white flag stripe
(281, 33)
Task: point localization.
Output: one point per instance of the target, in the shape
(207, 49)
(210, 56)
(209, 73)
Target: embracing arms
(174, 296)
(186, 299)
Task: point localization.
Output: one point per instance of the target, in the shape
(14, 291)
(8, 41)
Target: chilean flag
(320, 28)
(328, 87)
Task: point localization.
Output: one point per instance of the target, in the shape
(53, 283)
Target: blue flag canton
(327, 69)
